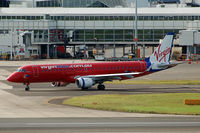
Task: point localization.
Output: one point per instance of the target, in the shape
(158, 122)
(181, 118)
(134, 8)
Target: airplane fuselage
(68, 72)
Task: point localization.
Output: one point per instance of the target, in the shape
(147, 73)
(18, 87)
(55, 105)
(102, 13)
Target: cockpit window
(21, 70)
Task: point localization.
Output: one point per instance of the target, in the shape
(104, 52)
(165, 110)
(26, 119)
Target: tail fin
(163, 53)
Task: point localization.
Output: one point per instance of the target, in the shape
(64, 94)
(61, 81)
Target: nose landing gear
(27, 88)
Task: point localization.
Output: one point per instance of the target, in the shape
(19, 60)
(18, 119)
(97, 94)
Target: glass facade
(40, 35)
(126, 18)
(116, 35)
(49, 3)
(21, 17)
(4, 3)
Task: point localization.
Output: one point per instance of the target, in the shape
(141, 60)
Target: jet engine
(84, 82)
(59, 84)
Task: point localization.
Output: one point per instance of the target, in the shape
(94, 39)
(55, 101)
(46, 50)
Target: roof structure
(100, 11)
(95, 3)
(114, 3)
(74, 3)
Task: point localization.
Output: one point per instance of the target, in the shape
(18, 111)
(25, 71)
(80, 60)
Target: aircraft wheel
(101, 87)
(84, 89)
(27, 88)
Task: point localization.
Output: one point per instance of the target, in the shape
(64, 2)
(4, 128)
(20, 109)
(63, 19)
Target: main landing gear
(84, 89)
(27, 88)
(101, 87)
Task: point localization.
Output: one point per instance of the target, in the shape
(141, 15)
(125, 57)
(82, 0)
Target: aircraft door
(35, 71)
(140, 66)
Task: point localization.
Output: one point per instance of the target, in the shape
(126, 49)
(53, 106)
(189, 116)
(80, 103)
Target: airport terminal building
(50, 27)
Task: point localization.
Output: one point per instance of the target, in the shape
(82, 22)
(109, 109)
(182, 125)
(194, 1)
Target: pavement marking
(102, 124)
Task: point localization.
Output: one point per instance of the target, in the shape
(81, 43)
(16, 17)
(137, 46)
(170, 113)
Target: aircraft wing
(110, 77)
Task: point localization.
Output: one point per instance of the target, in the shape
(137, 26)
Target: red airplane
(85, 75)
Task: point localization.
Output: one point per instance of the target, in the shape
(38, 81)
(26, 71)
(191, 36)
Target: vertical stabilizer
(163, 53)
(160, 59)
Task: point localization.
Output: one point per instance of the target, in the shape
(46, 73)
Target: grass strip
(157, 82)
(168, 103)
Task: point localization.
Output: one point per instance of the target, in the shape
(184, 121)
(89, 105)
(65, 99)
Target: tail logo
(160, 55)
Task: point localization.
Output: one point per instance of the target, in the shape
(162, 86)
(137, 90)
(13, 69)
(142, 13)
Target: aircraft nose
(13, 78)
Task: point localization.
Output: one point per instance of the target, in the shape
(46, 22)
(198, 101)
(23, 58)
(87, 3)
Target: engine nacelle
(59, 84)
(84, 82)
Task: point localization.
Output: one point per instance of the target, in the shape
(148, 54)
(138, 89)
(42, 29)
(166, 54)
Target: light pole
(136, 29)
(11, 47)
(33, 3)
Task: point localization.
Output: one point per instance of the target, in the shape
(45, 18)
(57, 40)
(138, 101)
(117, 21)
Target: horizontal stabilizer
(171, 64)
